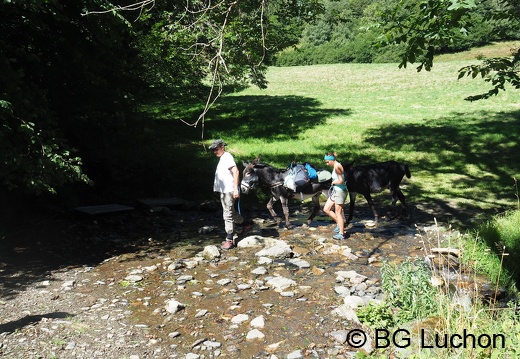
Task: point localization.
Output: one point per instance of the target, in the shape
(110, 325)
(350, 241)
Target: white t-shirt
(224, 181)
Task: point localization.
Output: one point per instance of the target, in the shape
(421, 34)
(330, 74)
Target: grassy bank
(494, 248)
(444, 322)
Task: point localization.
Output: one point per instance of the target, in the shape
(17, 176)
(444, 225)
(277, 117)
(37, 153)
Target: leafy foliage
(51, 75)
(497, 71)
(44, 159)
(73, 72)
(429, 26)
(408, 289)
(425, 27)
(230, 43)
(376, 316)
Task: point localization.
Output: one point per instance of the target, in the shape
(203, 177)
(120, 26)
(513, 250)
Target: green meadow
(463, 155)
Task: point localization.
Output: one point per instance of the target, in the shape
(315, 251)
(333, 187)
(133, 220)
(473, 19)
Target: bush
(408, 289)
(376, 316)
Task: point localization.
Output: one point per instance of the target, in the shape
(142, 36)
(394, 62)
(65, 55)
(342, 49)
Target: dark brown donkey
(273, 178)
(375, 178)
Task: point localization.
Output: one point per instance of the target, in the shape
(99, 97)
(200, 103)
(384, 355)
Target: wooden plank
(161, 202)
(104, 208)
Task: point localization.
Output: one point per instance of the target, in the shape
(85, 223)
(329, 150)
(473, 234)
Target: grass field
(463, 155)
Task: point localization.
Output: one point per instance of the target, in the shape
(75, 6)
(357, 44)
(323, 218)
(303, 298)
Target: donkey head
(249, 177)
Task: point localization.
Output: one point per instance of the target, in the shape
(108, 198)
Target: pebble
(287, 294)
(340, 336)
(255, 334)
(134, 278)
(201, 313)
(295, 355)
(259, 271)
(173, 306)
(240, 318)
(223, 282)
(258, 322)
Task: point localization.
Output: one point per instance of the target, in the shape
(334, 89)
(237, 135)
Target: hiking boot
(338, 237)
(336, 230)
(228, 244)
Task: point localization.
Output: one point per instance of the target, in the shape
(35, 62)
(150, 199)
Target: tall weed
(408, 289)
(449, 320)
(496, 248)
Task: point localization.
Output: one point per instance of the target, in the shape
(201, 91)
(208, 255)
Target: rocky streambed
(159, 286)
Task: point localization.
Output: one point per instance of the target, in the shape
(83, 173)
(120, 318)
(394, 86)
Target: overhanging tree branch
(429, 25)
(221, 34)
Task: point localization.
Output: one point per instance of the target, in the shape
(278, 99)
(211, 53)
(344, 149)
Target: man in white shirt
(226, 183)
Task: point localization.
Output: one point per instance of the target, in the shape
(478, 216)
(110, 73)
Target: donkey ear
(245, 164)
(256, 160)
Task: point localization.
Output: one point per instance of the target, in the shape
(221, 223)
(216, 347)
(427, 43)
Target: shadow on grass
(269, 117)
(477, 154)
(170, 157)
(264, 117)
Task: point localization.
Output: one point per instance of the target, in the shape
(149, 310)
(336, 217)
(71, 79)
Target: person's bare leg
(340, 219)
(328, 210)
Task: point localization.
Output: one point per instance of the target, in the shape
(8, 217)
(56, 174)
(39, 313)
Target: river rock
(281, 250)
(173, 306)
(259, 270)
(344, 311)
(354, 302)
(339, 335)
(259, 241)
(210, 252)
(300, 263)
(134, 278)
(240, 318)
(258, 322)
(352, 276)
(255, 334)
(279, 284)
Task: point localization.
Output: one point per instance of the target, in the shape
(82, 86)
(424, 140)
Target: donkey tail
(407, 171)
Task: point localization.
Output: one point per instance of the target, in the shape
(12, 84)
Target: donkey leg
(391, 211)
(270, 208)
(400, 195)
(368, 197)
(285, 207)
(352, 196)
(397, 195)
(316, 207)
